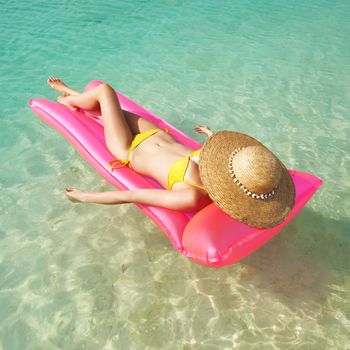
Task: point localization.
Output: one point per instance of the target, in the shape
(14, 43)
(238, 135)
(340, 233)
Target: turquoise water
(104, 277)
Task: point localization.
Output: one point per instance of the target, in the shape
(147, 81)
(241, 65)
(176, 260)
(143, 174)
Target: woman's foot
(58, 85)
(65, 101)
(75, 195)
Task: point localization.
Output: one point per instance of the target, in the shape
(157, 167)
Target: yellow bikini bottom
(119, 163)
(177, 169)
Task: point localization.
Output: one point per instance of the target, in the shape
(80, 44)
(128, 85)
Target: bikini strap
(117, 163)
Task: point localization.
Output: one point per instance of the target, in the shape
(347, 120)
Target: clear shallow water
(97, 277)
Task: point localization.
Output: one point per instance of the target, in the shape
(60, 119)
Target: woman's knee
(106, 88)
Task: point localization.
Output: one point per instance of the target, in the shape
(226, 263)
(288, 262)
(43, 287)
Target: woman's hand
(203, 129)
(75, 195)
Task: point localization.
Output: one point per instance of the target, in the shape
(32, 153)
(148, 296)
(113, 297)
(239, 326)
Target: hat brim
(215, 175)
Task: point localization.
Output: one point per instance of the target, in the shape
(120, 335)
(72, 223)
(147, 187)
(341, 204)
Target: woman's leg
(136, 123)
(117, 131)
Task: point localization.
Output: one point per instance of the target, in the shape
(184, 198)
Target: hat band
(244, 188)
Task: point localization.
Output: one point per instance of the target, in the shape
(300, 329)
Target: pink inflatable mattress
(209, 236)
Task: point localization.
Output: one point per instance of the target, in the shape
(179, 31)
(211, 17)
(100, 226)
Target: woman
(247, 182)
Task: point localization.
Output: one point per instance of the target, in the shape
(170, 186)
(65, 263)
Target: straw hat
(245, 179)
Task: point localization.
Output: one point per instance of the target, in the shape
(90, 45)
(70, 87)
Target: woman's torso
(155, 155)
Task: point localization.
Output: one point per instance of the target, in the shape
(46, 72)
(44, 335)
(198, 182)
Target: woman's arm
(186, 199)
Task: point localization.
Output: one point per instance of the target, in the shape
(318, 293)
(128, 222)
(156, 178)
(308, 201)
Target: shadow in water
(298, 265)
(303, 259)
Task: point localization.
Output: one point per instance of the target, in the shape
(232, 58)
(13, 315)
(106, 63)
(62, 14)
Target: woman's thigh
(117, 132)
(138, 124)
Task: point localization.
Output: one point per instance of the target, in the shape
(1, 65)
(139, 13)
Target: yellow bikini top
(178, 170)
